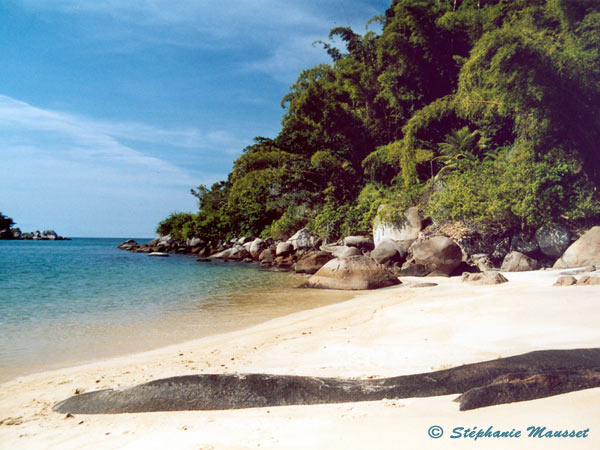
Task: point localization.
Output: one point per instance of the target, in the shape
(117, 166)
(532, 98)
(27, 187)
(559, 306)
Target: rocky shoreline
(15, 234)
(409, 247)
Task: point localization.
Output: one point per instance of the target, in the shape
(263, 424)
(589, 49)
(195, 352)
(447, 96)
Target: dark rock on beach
(312, 262)
(437, 253)
(528, 376)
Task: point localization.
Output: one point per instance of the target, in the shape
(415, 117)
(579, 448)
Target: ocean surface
(68, 302)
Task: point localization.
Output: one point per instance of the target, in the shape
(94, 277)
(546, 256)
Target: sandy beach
(388, 332)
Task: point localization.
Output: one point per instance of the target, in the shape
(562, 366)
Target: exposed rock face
(244, 240)
(312, 262)
(195, 242)
(302, 239)
(284, 249)
(584, 251)
(361, 242)
(518, 262)
(553, 240)
(389, 251)
(482, 261)
(525, 244)
(437, 253)
(565, 281)
(353, 273)
(407, 229)
(523, 377)
(256, 247)
(484, 278)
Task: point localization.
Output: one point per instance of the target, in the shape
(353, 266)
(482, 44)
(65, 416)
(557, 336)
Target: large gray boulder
(236, 252)
(284, 249)
(585, 251)
(438, 253)
(524, 243)
(312, 262)
(353, 273)
(389, 251)
(486, 278)
(519, 262)
(256, 247)
(553, 240)
(407, 228)
(302, 239)
(361, 242)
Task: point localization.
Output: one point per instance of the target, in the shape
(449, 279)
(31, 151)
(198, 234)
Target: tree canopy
(483, 111)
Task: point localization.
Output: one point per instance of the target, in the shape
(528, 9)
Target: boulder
(389, 251)
(587, 280)
(256, 247)
(411, 269)
(585, 251)
(484, 278)
(346, 252)
(128, 245)
(195, 242)
(353, 273)
(524, 243)
(267, 256)
(565, 281)
(482, 261)
(284, 249)
(405, 229)
(553, 240)
(501, 249)
(312, 262)
(302, 239)
(236, 252)
(361, 242)
(244, 240)
(518, 262)
(437, 253)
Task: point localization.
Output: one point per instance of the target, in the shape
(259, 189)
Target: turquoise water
(63, 302)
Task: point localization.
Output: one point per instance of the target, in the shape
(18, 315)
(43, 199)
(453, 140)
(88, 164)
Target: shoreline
(387, 332)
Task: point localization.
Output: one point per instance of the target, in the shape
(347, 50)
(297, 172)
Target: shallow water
(66, 302)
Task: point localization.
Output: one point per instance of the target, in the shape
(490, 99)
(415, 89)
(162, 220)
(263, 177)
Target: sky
(112, 110)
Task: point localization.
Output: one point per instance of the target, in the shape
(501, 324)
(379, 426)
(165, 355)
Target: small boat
(163, 254)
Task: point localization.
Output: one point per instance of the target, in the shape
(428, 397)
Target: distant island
(7, 232)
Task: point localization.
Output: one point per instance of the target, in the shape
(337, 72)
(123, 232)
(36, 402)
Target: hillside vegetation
(484, 112)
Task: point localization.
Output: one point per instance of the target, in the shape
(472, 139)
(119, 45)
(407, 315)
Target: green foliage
(5, 222)
(179, 225)
(489, 105)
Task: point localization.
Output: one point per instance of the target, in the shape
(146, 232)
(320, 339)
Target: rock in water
(585, 251)
(352, 273)
(542, 373)
(437, 253)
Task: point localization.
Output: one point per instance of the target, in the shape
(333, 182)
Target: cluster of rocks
(46, 235)
(409, 248)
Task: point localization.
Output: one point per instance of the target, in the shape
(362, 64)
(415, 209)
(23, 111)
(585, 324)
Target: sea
(69, 302)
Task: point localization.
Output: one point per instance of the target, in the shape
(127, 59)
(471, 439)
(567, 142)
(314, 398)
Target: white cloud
(57, 165)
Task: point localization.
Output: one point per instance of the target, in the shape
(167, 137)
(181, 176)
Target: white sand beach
(382, 333)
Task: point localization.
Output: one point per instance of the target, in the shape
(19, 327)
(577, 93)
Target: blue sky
(111, 110)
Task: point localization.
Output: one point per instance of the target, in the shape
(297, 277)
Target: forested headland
(484, 113)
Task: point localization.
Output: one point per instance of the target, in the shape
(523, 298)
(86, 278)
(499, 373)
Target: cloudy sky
(111, 110)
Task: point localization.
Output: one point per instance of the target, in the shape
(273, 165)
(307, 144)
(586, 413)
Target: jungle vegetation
(480, 111)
